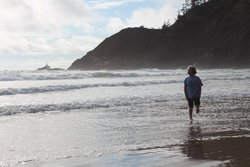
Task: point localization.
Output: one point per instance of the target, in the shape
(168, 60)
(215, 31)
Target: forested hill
(213, 34)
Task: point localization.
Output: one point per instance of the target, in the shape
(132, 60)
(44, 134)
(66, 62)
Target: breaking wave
(64, 75)
(229, 78)
(69, 75)
(54, 88)
(64, 107)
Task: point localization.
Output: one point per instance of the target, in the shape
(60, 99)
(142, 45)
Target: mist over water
(53, 115)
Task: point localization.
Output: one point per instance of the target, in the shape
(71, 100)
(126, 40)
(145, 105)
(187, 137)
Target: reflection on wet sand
(194, 144)
(234, 151)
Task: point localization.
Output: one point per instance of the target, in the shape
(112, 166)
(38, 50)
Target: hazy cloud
(147, 17)
(35, 27)
(41, 15)
(114, 25)
(47, 45)
(152, 17)
(102, 4)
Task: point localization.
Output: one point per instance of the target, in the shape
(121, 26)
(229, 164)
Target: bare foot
(191, 120)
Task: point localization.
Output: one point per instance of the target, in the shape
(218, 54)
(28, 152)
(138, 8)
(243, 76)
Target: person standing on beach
(192, 90)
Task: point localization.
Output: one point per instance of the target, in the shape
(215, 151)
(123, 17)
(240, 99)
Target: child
(192, 89)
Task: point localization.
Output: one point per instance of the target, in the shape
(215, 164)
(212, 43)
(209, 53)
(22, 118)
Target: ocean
(122, 118)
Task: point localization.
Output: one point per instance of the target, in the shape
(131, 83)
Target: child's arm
(199, 91)
(199, 88)
(185, 90)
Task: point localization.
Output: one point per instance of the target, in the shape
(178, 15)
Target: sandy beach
(228, 152)
(209, 141)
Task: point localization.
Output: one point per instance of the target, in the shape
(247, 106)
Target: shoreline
(147, 159)
(224, 152)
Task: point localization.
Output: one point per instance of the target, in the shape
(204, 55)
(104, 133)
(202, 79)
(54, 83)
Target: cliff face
(215, 34)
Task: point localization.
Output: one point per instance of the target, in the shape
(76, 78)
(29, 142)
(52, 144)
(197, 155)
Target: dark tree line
(186, 6)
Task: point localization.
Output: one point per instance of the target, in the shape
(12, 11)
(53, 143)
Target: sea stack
(46, 67)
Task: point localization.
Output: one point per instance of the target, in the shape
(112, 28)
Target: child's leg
(197, 109)
(191, 106)
(197, 104)
(191, 113)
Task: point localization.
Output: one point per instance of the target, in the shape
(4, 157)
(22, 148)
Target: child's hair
(192, 69)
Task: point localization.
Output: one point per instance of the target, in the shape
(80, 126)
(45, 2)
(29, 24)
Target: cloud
(22, 53)
(114, 25)
(36, 27)
(41, 15)
(152, 18)
(147, 17)
(75, 45)
(100, 4)
(47, 45)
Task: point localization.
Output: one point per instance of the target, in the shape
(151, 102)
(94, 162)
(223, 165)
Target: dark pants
(195, 101)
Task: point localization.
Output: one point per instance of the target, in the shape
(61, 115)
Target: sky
(57, 32)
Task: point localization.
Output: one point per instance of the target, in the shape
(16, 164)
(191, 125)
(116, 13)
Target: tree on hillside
(166, 25)
(190, 4)
(185, 7)
(193, 3)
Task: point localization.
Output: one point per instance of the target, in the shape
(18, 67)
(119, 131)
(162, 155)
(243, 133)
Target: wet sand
(116, 162)
(234, 150)
(228, 152)
(218, 137)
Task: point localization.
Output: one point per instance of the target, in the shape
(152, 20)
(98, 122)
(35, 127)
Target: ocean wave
(54, 88)
(229, 78)
(177, 102)
(218, 74)
(64, 75)
(64, 107)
